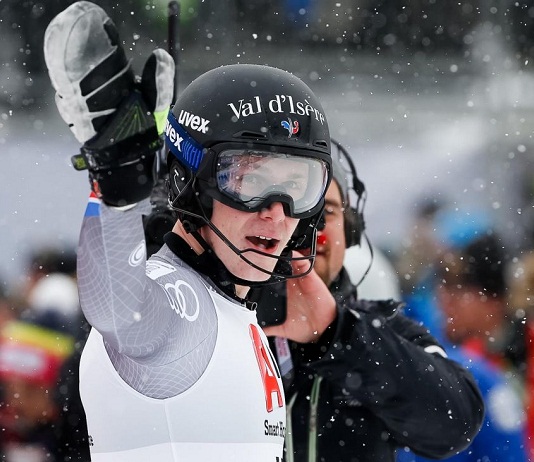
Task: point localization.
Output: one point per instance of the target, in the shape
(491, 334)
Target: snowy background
(450, 120)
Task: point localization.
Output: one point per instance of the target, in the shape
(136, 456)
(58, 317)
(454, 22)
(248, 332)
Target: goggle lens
(251, 177)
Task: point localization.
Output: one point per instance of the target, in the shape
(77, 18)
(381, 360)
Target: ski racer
(176, 366)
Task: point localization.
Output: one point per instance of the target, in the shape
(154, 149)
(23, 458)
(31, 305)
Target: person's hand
(311, 308)
(117, 116)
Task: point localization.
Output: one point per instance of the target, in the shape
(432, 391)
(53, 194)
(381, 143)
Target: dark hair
(48, 260)
(480, 264)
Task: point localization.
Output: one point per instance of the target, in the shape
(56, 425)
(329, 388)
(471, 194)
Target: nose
(274, 212)
(321, 238)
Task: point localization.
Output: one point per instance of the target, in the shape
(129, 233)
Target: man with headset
(374, 382)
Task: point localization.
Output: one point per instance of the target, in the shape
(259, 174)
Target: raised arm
(118, 119)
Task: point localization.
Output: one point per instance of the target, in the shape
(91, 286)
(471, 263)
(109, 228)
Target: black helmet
(232, 121)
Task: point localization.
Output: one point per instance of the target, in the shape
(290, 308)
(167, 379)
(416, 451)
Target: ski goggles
(254, 179)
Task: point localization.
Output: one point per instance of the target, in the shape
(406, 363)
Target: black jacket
(375, 382)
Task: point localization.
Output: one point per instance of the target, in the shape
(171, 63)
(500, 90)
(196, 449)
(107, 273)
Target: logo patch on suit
(268, 370)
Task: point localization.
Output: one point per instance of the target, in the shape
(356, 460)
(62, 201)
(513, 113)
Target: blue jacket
(502, 436)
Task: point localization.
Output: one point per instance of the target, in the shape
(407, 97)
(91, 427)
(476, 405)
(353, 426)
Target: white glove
(91, 74)
(118, 118)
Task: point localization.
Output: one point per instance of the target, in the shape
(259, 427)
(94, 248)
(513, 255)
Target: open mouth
(265, 243)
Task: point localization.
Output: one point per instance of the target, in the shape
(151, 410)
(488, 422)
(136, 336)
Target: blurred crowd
(458, 277)
(42, 333)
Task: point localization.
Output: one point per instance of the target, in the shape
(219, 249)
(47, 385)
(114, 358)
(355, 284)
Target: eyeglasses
(255, 178)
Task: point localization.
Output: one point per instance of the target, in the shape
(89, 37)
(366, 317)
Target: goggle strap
(184, 147)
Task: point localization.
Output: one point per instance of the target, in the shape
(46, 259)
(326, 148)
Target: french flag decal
(292, 127)
(93, 206)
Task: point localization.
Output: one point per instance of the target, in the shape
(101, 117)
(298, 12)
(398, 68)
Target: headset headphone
(353, 216)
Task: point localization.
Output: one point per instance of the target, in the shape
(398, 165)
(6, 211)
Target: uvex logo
(182, 144)
(193, 121)
(280, 103)
(174, 138)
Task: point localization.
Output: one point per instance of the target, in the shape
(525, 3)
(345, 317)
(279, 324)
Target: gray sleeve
(116, 296)
(144, 320)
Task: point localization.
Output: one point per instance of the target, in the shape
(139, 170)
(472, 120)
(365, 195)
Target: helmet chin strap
(192, 222)
(283, 260)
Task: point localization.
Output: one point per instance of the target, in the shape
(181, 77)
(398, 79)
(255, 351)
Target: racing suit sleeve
(116, 296)
(396, 369)
(129, 309)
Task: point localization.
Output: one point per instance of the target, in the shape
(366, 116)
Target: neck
(187, 237)
(241, 291)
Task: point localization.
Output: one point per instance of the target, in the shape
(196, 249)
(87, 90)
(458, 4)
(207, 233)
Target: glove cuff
(121, 159)
(127, 184)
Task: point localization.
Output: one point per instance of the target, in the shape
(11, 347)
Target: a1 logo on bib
(268, 370)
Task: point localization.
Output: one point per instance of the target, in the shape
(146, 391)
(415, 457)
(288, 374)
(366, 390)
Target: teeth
(265, 238)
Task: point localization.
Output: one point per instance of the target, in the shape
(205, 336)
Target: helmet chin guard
(282, 269)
